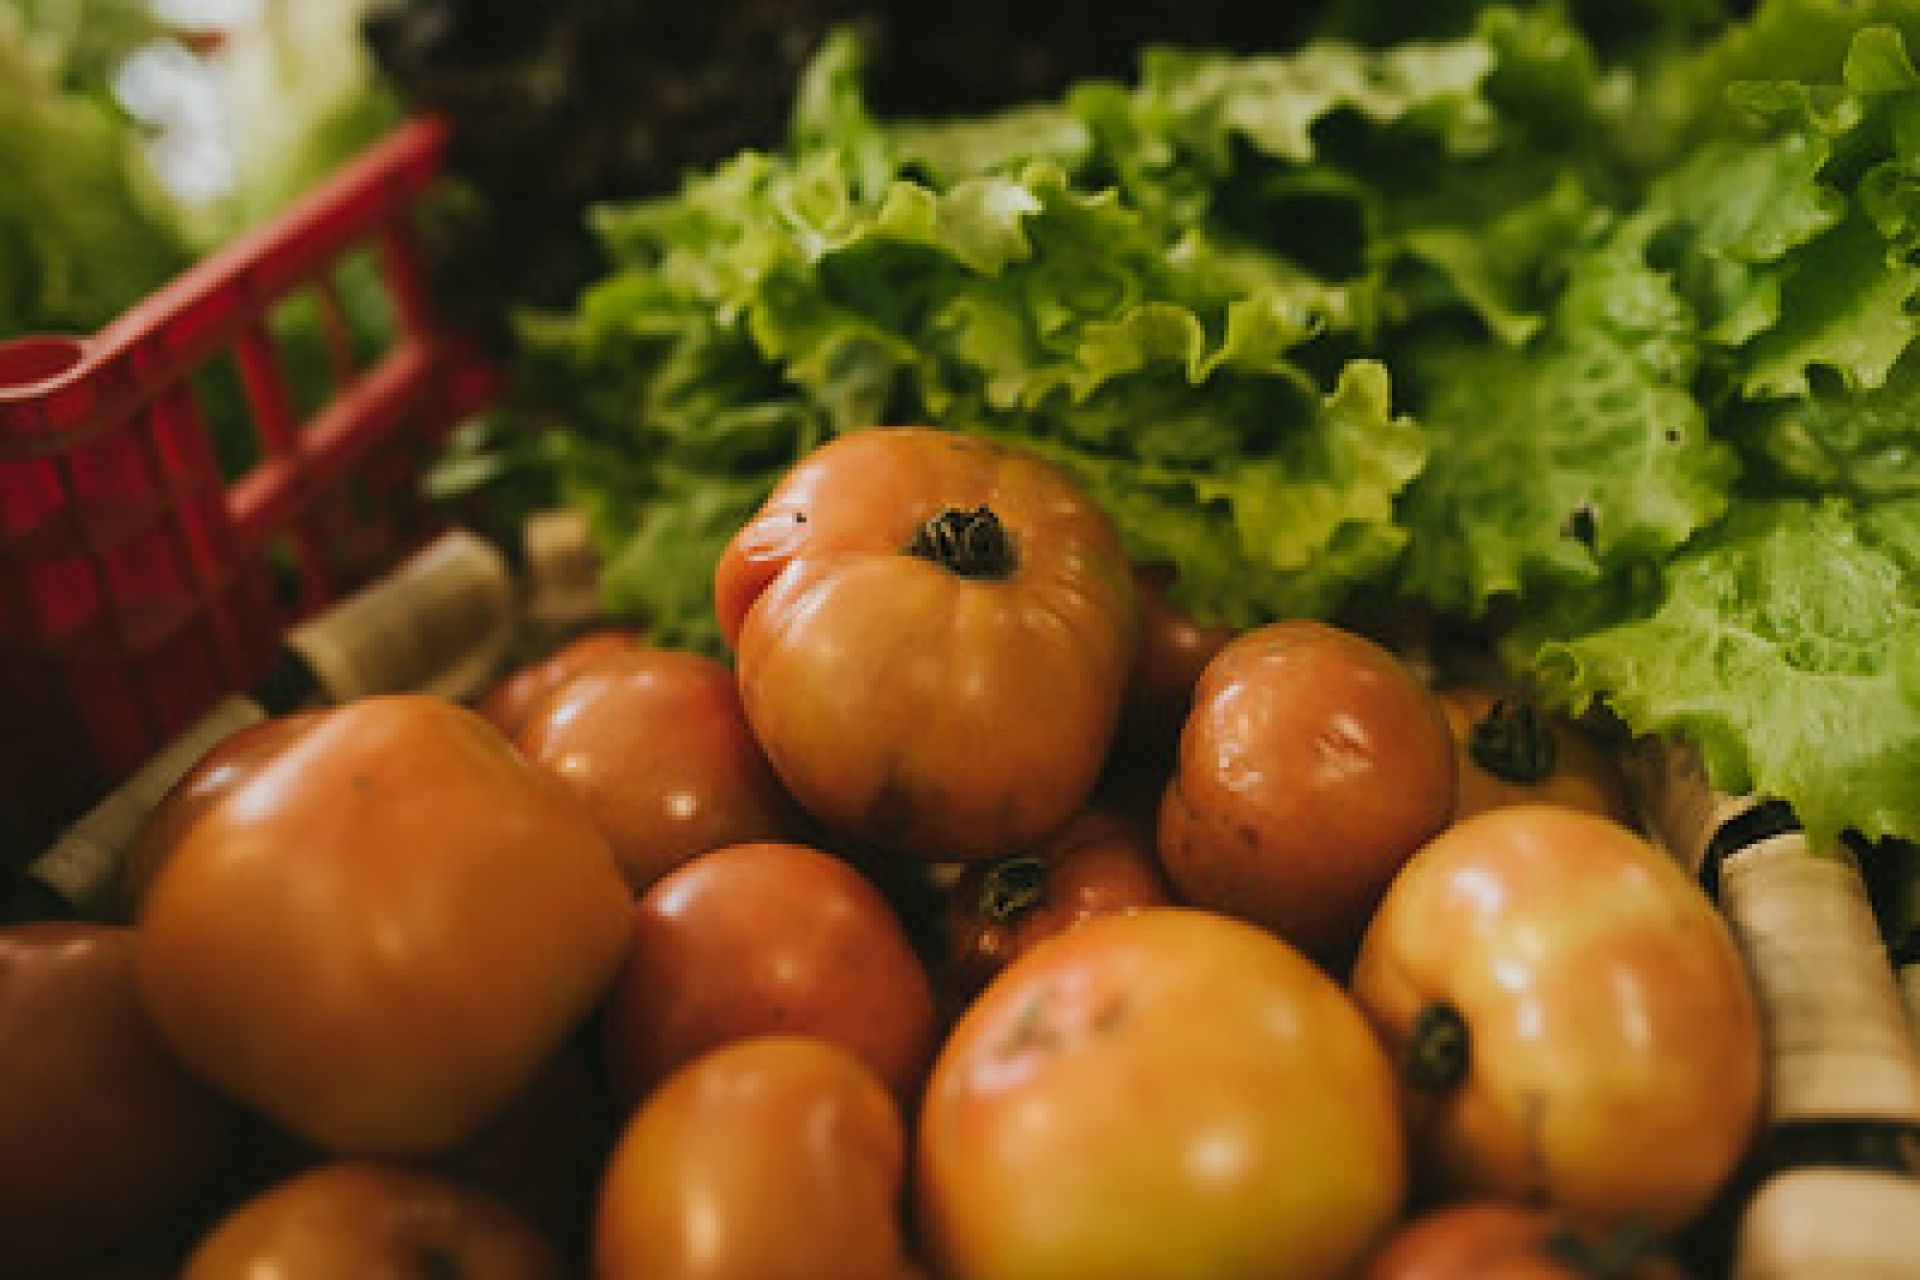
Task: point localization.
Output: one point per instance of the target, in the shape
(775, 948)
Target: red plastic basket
(137, 583)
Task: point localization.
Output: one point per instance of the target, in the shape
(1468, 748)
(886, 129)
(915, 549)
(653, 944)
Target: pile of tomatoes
(983, 919)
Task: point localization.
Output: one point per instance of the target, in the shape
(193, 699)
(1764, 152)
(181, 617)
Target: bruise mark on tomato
(436, 1260)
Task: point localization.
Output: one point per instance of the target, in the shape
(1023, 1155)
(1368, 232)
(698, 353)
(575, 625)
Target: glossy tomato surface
(1504, 1240)
(520, 692)
(932, 636)
(656, 747)
(1312, 766)
(759, 939)
(380, 933)
(1513, 752)
(1171, 1093)
(773, 1158)
(102, 1133)
(373, 1222)
(1100, 863)
(1576, 1018)
(1173, 650)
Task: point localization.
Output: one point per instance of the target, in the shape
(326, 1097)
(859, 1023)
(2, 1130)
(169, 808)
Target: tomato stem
(1012, 887)
(1513, 741)
(973, 544)
(1618, 1255)
(1437, 1055)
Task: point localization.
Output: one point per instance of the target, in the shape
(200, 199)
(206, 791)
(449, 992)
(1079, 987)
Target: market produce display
(1602, 345)
(1103, 760)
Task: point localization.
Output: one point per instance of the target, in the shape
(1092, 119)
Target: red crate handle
(137, 583)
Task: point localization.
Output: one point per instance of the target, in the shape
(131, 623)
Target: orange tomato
(757, 939)
(102, 1133)
(382, 929)
(520, 692)
(656, 747)
(1501, 1240)
(1313, 765)
(932, 636)
(372, 1222)
(1575, 1019)
(777, 1156)
(1098, 864)
(1170, 1093)
(1511, 752)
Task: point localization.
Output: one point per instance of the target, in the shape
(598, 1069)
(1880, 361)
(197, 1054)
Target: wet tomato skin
(759, 939)
(655, 746)
(1312, 766)
(1599, 1011)
(774, 1156)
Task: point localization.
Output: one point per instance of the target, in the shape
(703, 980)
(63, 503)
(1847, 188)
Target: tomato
(1098, 864)
(372, 1222)
(519, 694)
(765, 938)
(102, 1134)
(379, 933)
(1576, 1022)
(656, 747)
(1174, 649)
(1510, 752)
(218, 772)
(932, 636)
(772, 1157)
(1170, 1093)
(1314, 764)
(1500, 1240)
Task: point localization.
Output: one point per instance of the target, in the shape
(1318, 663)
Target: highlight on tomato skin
(769, 1156)
(1313, 765)
(354, 1218)
(1564, 1001)
(656, 747)
(933, 637)
(1165, 1093)
(515, 696)
(380, 931)
(759, 939)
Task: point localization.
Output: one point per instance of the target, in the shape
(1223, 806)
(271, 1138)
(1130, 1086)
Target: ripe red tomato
(932, 635)
(777, 1156)
(1510, 752)
(519, 694)
(1313, 765)
(1500, 1240)
(102, 1134)
(764, 938)
(1098, 864)
(373, 1222)
(1171, 1093)
(1174, 649)
(1576, 1022)
(382, 929)
(656, 747)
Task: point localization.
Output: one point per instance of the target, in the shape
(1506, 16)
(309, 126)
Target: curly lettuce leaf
(1786, 645)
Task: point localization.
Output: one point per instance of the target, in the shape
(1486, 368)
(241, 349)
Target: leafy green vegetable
(1607, 334)
(1786, 644)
